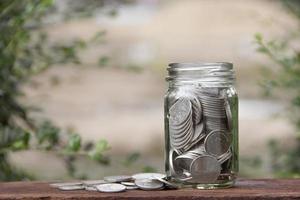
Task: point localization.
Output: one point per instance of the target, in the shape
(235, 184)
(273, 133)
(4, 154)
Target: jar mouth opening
(200, 66)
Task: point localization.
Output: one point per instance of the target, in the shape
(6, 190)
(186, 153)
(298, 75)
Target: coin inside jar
(205, 169)
(216, 143)
(179, 111)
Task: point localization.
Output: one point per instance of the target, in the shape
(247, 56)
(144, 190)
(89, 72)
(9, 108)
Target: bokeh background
(114, 90)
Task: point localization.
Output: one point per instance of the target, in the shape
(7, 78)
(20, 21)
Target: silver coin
(205, 169)
(93, 182)
(182, 142)
(111, 187)
(90, 188)
(128, 183)
(167, 183)
(116, 179)
(184, 161)
(57, 185)
(228, 115)
(196, 139)
(173, 167)
(149, 184)
(179, 131)
(148, 176)
(197, 111)
(132, 187)
(198, 131)
(180, 111)
(225, 157)
(71, 187)
(216, 143)
(185, 176)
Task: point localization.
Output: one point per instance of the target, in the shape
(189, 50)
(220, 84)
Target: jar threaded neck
(204, 74)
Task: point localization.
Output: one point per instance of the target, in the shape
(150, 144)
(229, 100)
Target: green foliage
(74, 143)
(96, 153)
(131, 159)
(25, 50)
(149, 169)
(286, 78)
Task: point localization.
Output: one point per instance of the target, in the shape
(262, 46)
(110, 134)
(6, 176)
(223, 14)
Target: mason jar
(201, 125)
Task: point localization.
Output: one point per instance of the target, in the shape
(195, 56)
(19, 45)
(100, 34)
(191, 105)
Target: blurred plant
(25, 51)
(284, 53)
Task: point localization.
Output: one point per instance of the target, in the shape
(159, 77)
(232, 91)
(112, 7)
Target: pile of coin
(143, 181)
(200, 124)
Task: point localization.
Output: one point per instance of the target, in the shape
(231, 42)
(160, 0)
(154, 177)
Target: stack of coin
(200, 124)
(181, 123)
(143, 181)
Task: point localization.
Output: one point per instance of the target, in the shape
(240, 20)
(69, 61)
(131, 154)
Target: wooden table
(244, 189)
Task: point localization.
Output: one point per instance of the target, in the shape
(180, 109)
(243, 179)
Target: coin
(148, 176)
(111, 187)
(57, 185)
(216, 143)
(149, 184)
(173, 169)
(167, 183)
(205, 169)
(115, 179)
(228, 115)
(132, 187)
(90, 188)
(180, 111)
(71, 187)
(225, 157)
(93, 182)
(128, 183)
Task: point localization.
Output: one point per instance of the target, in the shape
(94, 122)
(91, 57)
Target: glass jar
(201, 125)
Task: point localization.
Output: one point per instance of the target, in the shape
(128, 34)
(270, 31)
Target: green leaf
(98, 36)
(74, 143)
(102, 145)
(99, 157)
(22, 143)
(258, 37)
(103, 61)
(48, 135)
(131, 158)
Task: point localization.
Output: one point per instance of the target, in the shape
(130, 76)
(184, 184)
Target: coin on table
(167, 183)
(116, 179)
(132, 187)
(111, 187)
(148, 176)
(149, 184)
(93, 182)
(126, 183)
(57, 185)
(90, 188)
(71, 187)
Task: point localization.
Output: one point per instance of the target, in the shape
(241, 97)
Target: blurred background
(82, 82)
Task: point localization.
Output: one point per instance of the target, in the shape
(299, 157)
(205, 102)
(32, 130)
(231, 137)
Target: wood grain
(245, 189)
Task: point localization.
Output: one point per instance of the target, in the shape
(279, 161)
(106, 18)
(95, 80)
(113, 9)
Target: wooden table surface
(244, 189)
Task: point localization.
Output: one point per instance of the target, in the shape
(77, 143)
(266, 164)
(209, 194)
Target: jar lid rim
(186, 65)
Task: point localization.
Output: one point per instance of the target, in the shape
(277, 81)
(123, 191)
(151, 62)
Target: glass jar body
(201, 134)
